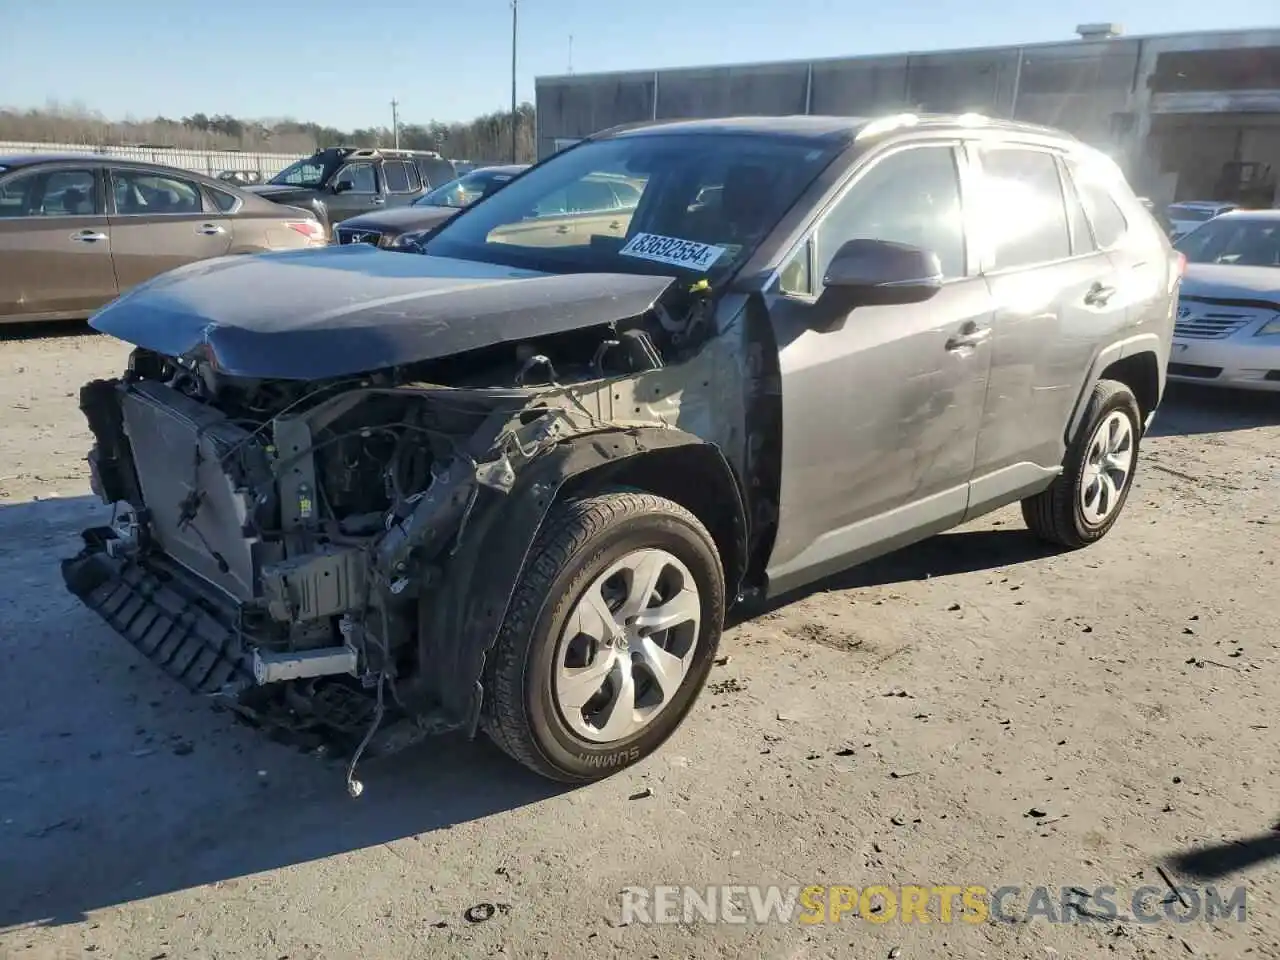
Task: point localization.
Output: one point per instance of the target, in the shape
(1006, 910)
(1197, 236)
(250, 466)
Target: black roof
(825, 129)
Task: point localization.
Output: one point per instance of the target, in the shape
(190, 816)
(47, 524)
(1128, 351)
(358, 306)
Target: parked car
(241, 178)
(1228, 327)
(1161, 215)
(77, 231)
(1186, 216)
(514, 483)
(343, 182)
(404, 227)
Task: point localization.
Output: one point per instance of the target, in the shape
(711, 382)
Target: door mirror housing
(866, 273)
(342, 186)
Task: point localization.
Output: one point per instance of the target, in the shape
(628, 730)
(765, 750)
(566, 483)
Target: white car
(1227, 331)
(1185, 217)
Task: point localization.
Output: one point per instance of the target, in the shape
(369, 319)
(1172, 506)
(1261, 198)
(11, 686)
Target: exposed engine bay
(274, 541)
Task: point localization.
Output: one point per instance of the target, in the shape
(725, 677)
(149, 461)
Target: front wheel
(610, 635)
(1085, 500)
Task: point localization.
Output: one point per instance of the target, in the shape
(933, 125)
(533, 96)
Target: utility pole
(515, 120)
(571, 53)
(395, 122)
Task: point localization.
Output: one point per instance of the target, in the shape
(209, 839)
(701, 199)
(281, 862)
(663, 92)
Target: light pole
(395, 122)
(515, 12)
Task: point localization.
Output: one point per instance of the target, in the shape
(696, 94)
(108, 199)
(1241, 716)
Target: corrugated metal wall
(1078, 85)
(209, 162)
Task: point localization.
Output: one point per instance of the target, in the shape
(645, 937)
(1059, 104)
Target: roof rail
(375, 153)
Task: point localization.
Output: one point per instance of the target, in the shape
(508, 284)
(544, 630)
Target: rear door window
(591, 196)
(142, 193)
(396, 173)
(1108, 220)
(1023, 209)
(415, 179)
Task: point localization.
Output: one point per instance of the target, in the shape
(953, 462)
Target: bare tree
(485, 139)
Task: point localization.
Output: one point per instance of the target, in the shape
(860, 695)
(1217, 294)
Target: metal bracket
(292, 437)
(323, 662)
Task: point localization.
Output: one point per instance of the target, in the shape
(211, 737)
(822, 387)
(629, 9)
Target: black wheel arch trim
(460, 615)
(1149, 343)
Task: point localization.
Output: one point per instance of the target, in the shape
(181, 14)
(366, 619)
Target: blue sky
(341, 62)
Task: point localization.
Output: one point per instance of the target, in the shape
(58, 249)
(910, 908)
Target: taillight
(311, 229)
(1182, 264)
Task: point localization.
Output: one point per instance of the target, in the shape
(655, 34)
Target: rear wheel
(1085, 500)
(609, 638)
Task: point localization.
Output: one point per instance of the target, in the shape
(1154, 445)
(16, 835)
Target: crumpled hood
(336, 311)
(1222, 281)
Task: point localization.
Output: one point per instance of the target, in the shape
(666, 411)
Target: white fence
(209, 162)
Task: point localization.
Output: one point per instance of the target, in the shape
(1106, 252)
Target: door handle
(971, 336)
(378, 201)
(1098, 295)
(89, 236)
(616, 225)
(562, 229)
(210, 229)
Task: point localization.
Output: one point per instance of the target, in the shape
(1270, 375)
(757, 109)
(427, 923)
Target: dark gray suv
(514, 483)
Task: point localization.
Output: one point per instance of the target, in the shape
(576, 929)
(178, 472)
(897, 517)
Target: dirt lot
(970, 711)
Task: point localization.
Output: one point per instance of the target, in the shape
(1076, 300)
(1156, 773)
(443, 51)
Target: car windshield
(1195, 214)
(1239, 242)
(464, 191)
(640, 203)
(305, 173)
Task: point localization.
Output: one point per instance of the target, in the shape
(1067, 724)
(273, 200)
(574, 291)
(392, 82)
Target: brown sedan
(77, 231)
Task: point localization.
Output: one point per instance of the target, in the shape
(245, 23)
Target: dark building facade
(1175, 110)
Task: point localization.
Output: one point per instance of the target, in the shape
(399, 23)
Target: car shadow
(1190, 410)
(117, 785)
(50, 330)
(1223, 859)
(945, 555)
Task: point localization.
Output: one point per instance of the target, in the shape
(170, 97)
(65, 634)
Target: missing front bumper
(163, 617)
(196, 638)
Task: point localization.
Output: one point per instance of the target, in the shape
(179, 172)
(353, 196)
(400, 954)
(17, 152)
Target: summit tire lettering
(608, 760)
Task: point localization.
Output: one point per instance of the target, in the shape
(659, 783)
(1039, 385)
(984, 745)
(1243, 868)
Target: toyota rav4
(512, 484)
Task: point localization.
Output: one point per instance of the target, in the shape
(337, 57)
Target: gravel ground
(974, 710)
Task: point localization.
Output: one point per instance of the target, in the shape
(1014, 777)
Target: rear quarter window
(222, 201)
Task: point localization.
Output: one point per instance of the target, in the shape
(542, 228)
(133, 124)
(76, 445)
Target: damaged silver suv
(513, 484)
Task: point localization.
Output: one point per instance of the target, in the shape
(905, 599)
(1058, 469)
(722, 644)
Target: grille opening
(346, 236)
(1210, 326)
(1196, 370)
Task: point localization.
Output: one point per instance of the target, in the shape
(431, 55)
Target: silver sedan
(1228, 325)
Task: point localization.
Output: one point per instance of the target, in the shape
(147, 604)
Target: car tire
(547, 657)
(1086, 499)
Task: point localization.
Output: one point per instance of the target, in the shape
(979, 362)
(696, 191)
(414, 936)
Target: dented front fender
(460, 615)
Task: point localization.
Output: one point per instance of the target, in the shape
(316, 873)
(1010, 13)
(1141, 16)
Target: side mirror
(866, 273)
(342, 186)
